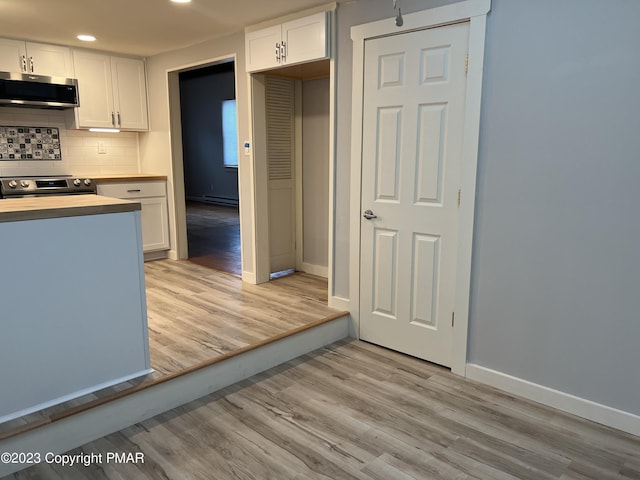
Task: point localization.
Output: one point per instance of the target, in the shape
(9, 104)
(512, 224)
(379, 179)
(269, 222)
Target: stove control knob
(24, 183)
(87, 181)
(76, 182)
(13, 184)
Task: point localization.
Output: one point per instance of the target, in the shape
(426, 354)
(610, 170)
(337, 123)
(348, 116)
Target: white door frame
(260, 213)
(181, 250)
(474, 11)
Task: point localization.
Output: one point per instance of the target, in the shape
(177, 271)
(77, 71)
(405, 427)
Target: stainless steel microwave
(28, 90)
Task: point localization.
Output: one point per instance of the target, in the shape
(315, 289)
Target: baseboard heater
(231, 202)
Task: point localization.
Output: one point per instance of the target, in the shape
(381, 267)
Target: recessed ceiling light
(86, 38)
(181, 1)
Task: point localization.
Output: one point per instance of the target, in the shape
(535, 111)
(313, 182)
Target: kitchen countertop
(124, 177)
(36, 208)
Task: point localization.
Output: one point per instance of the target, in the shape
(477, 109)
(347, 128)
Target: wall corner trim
(596, 412)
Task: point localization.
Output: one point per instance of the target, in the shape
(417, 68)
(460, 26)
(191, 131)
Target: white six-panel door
(413, 115)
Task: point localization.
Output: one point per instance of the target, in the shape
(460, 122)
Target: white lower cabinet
(152, 195)
(155, 229)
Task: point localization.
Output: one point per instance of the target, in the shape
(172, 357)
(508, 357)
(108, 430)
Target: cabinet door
(49, 60)
(155, 224)
(152, 195)
(11, 55)
(129, 93)
(93, 72)
(260, 48)
(305, 39)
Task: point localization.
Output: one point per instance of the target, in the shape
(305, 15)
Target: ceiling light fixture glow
(86, 38)
(181, 1)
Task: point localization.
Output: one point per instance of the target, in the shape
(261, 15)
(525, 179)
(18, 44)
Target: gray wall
(315, 171)
(556, 266)
(201, 97)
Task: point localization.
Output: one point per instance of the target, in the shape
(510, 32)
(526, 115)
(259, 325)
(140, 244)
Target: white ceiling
(137, 27)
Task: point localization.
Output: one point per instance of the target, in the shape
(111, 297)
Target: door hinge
(453, 318)
(458, 197)
(466, 64)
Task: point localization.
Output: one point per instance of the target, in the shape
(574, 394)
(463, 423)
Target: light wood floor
(196, 314)
(354, 410)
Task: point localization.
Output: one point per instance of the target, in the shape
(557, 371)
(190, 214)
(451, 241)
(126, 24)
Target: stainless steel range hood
(39, 91)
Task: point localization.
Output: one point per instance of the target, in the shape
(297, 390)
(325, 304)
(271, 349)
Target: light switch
(247, 148)
(102, 147)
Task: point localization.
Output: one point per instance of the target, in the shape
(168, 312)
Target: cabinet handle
(113, 119)
(137, 190)
(31, 63)
(283, 52)
(119, 120)
(277, 52)
(24, 63)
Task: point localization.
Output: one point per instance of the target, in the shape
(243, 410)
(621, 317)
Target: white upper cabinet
(112, 91)
(305, 39)
(263, 48)
(12, 52)
(17, 56)
(297, 41)
(95, 90)
(130, 93)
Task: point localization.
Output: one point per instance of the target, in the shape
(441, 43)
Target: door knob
(368, 214)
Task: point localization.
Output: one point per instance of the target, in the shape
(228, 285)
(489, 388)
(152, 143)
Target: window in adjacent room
(229, 133)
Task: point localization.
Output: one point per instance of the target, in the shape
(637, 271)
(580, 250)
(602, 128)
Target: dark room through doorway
(210, 162)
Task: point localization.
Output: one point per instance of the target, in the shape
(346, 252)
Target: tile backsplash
(29, 143)
(79, 149)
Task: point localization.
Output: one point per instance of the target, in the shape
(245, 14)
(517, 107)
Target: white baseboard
(249, 277)
(159, 255)
(611, 417)
(317, 270)
(173, 255)
(339, 303)
(76, 430)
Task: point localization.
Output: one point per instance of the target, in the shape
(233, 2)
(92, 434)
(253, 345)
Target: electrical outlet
(102, 147)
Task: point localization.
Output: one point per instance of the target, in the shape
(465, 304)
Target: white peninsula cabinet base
(73, 313)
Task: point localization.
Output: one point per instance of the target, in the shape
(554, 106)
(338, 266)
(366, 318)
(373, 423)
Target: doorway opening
(291, 118)
(210, 164)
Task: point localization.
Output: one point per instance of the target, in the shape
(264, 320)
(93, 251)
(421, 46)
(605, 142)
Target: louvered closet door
(279, 94)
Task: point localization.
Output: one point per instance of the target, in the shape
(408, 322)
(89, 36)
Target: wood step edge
(165, 378)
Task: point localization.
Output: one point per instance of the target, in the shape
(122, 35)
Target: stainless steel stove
(16, 187)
